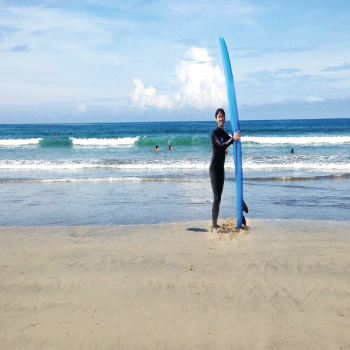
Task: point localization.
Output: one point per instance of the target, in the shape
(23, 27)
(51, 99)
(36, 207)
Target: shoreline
(281, 284)
(174, 223)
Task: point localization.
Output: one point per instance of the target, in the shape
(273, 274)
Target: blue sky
(105, 61)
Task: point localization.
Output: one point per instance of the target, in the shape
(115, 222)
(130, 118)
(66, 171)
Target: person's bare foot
(214, 231)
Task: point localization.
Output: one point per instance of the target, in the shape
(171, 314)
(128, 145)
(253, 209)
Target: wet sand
(280, 284)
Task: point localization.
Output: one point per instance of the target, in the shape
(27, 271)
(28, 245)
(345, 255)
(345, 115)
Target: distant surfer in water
(156, 149)
(220, 140)
(292, 150)
(170, 148)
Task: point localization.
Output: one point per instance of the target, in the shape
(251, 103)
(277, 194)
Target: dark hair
(219, 110)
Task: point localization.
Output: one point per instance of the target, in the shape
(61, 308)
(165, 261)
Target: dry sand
(281, 284)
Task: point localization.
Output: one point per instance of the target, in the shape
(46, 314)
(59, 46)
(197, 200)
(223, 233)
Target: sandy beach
(281, 284)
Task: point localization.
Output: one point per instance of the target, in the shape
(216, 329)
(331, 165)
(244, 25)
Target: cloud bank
(333, 69)
(198, 84)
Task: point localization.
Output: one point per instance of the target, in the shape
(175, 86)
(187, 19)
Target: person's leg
(221, 179)
(216, 193)
(217, 184)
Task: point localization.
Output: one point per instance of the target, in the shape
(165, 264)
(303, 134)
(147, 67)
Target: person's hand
(237, 135)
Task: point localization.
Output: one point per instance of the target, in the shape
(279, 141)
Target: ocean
(108, 173)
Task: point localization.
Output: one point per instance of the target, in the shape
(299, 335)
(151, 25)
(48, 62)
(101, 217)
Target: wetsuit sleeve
(227, 137)
(216, 141)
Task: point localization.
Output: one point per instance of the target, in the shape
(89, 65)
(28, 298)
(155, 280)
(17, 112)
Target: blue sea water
(108, 174)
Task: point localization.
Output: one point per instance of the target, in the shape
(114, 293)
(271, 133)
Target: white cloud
(147, 97)
(313, 99)
(50, 52)
(198, 83)
(81, 108)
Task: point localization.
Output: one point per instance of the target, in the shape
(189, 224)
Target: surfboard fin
(245, 207)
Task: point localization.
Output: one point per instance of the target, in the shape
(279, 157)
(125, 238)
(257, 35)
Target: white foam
(107, 179)
(93, 179)
(296, 166)
(104, 142)
(181, 165)
(19, 142)
(42, 165)
(37, 165)
(298, 140)
(124, 141)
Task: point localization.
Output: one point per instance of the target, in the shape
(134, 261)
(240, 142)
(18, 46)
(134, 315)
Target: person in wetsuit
(220, 140)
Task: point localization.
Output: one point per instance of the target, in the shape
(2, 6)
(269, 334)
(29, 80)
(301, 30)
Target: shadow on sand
(197, 229)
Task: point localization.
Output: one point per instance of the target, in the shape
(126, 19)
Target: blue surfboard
(237, 149)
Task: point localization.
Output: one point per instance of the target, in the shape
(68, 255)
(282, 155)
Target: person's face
(220, 118)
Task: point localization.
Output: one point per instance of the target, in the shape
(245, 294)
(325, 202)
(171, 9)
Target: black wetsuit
(221, 140)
